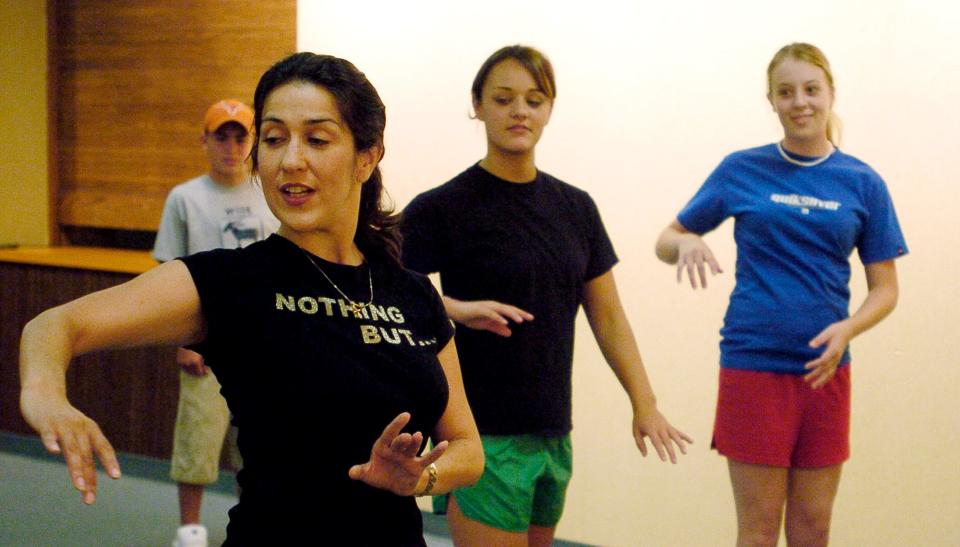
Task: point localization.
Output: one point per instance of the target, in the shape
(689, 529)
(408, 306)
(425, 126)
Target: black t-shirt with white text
(311, 385)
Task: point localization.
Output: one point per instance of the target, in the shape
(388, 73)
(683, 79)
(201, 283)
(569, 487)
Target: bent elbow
(666, 248)
(894, 298)
(888, 294)
(664, 255)
(41, 326)
(476, 471)
(477, 463)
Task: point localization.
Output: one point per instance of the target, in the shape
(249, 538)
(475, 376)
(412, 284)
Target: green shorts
(524, 482)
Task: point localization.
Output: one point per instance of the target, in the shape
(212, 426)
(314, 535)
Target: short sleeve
(171, 239)
(441, 323)
(881, 238)
(424, 236)
(210, 271)
(707, 209)
(602, 255)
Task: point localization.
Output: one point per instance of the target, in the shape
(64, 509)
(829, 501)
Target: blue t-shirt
(795, 228)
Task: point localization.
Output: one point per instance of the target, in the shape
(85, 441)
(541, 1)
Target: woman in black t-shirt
(329, 353)
(518, 252)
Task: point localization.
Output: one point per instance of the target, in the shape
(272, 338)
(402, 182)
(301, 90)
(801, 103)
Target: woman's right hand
(488, 315)
(65, 430)
(692, 254)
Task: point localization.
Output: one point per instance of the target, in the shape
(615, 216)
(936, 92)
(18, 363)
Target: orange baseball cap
(227, 110)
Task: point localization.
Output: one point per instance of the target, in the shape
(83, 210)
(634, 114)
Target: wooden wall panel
(134, 80)
(132, 394)
(53, 144)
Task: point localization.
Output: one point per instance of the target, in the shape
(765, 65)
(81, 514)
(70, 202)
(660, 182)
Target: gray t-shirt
(201, 215)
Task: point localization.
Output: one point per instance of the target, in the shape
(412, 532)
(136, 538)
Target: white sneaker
(191, 535)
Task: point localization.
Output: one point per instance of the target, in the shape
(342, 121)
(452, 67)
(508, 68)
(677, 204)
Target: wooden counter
(132, 394)
(82, 258)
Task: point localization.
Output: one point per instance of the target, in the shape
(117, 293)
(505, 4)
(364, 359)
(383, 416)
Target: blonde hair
(808, 53)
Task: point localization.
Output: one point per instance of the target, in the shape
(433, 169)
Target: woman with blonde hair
(800, 207)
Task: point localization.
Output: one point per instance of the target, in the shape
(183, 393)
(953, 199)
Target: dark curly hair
(359, 104)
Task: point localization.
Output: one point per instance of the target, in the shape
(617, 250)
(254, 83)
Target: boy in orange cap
(220, 209)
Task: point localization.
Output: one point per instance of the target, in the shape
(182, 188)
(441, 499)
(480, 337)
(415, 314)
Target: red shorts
(767, 418)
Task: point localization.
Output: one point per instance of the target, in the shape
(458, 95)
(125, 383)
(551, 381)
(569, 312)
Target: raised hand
(394, 463)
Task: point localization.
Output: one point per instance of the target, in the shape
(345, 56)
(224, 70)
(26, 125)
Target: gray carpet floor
(38, 507)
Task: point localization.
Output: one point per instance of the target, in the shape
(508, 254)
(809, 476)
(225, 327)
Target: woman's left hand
(394, 463)
(650, 423)
(836, 337)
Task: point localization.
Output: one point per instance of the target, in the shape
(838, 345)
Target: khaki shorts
(202, 424)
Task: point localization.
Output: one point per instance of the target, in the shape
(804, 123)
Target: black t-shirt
(530, 245)
(311, 386)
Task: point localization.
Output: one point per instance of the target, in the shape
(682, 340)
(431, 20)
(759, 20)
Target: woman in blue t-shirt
(801, 206)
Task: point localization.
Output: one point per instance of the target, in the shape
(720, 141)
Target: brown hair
(532, 59)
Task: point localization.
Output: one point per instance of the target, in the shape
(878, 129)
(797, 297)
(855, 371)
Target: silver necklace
(355, 307)
(801, 163)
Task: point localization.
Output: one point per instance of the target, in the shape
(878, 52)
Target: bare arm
(882, 294)
(687, 250)
(487, 315)
(462, 465)
(395, 463)
(158, 307)
(615, 337)
(170, 240)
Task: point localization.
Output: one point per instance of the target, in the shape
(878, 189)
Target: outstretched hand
(654, 426)
(693, 255)
(65, 430)
(488, 315)
(394, 463)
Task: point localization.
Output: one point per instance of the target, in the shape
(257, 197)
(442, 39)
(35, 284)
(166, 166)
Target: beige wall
(650, 99)
(651, 96)
(23, 131)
